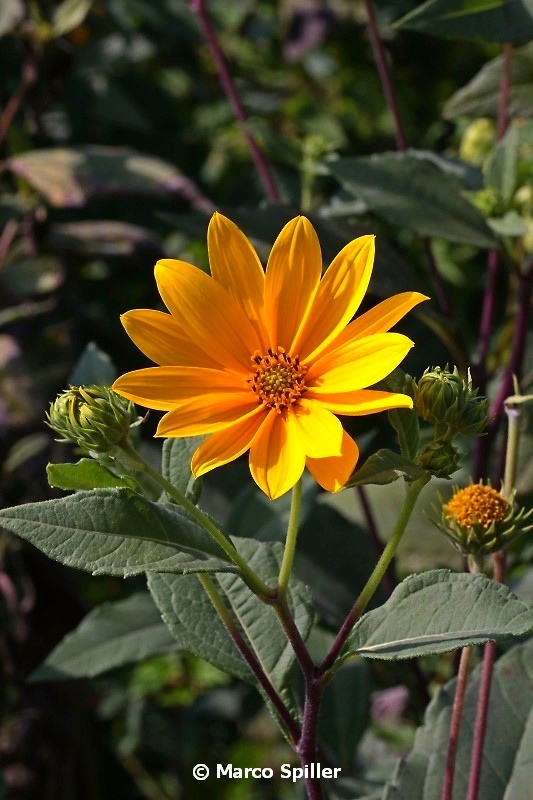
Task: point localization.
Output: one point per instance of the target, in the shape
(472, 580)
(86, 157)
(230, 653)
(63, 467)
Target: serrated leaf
(86, 474)
(497, 21)
(110, 636)
(506, 773)
(69, 177)
(188, 612)
(438, 611)
(116, 532)
(176, 464)
(480, 97)
(412, 192)
(383, 467)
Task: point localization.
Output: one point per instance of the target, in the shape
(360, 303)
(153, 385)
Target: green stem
(511, 454)
(253, 581)
(290, 541)
(413, 491)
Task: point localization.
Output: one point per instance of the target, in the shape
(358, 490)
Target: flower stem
(255, 667)
(487, 669)
(198, 8)
(290, 541)
(412, 494)
(252, 580)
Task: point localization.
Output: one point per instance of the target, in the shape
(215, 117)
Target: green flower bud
(479, 520)
(440, 458)
(478, 140)
(489, 201)
(450, 403)
(95, 418)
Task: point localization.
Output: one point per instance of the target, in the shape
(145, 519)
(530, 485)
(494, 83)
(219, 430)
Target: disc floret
(278, 380)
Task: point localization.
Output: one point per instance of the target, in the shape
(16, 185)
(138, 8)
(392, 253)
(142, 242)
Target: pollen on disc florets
(278, 379)
(477, 504)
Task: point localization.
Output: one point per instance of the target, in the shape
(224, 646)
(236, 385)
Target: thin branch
(198, 8)
(29, 76)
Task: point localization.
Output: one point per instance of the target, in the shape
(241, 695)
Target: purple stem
(198, 8)
(307, 746)
(401, 143)
(29, 76)
(384, 75)
(455, 723)
(480, 725)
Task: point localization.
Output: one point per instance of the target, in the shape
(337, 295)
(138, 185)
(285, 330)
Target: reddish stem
(29, 76)
(307, 746)
(480, 725)
(198, 8)
(455, 723)
(384, 75)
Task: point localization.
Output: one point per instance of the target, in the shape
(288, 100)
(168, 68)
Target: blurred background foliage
(116, 143)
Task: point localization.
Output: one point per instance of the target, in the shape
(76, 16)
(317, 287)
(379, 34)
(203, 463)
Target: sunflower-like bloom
(265, 360)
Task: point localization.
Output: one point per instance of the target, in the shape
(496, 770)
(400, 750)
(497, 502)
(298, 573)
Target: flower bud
(440, 458)
(478, 140)
(489, 201)
(95, 418)
(479, 520)
(450, 403)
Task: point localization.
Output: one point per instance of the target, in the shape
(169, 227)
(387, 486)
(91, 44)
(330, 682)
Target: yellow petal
(208, 413)
(206, 311)
(164, 388)
(338, 297)
(360, 402)
(379, 319)
(226, 445)
(159, 337)
(333, 472)
(277, 458)
(236, 266)
(358, 364)
(320, 431)
(292, 278)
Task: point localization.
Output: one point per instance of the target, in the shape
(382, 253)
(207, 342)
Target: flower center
(278, 380)
(477, 504)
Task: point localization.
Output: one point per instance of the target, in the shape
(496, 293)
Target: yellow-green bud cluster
(450, 403)
(479, 520)
(489, 201)
(478, 140)
(441, 458)
(95, 418)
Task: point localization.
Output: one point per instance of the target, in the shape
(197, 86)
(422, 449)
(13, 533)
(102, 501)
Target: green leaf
(116, 532)
(403, 420)
(110, 636)
(334, 558)
(342, 723)
(410, 191)
(176, 465)
(69, 177)
(511, 224)
(103, 239)
(94, 367)
(385, 466)
(501, 167)
(438, 611)
(86, 474)
(497, 21)
(189, 614)
(480, 97)
(69, 14)
(506, 773)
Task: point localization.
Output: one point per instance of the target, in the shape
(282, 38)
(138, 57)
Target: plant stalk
(253, 581)
(198, 8)
(290, 541)
(412, 494)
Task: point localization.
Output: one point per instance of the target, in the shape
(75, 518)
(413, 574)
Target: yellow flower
(265, 360)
